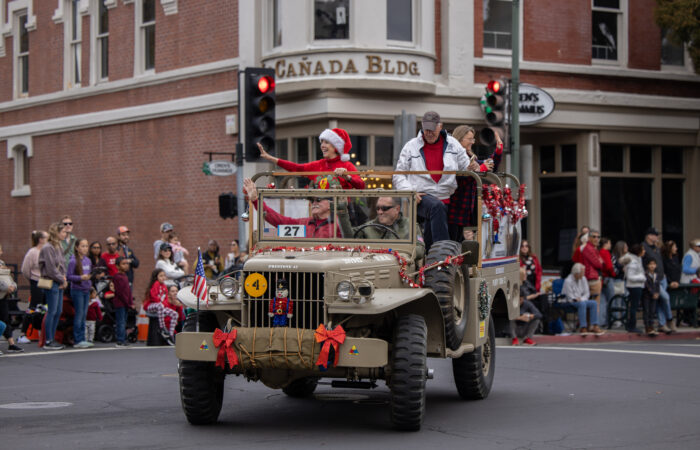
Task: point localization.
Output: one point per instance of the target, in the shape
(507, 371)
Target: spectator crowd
(78, 291)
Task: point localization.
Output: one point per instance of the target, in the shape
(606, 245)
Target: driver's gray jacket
(402, 227)
(454, 157)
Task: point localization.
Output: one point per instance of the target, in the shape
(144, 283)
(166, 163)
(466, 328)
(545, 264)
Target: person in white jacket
(166, 263)
(634, 282)
(577, 292)
(432, 149)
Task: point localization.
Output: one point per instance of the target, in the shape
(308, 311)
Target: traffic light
(259, 111)
(228, 205)
(494, 105)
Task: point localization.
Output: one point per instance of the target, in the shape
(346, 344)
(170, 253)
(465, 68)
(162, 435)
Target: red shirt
(111, 260)
(320, 228)
(326, 165)
(157, 294)
(433, 157)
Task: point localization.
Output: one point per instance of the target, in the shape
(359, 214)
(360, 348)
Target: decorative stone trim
(169, 6)
(6, 22)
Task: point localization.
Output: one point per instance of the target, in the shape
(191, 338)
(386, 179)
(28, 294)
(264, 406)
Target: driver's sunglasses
(385, 208)
(318, 199)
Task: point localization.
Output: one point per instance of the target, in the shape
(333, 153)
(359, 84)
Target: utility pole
(514, 91)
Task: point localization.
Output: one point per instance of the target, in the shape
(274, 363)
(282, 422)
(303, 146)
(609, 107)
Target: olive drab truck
(347, 298)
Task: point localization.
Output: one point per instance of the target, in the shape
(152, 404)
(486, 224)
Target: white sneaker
(82, 344)
(23, 340)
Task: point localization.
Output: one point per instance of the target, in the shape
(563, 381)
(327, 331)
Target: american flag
(200, 280)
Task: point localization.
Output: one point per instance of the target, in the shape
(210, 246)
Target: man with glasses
(110, 256)
(68, 243)
(663, 305)
(126, 251)
(389, 217)
(593, 263)
(319, 225)
(433, 149)
(166, 231)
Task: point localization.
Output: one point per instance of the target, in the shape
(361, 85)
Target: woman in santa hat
(335, 146)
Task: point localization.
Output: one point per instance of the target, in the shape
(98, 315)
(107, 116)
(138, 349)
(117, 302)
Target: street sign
(219, 168)
(535, 104)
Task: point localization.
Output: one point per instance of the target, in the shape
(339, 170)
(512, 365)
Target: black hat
(165, 246)
(652, 230)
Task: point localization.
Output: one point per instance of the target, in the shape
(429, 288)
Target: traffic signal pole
(514, 91)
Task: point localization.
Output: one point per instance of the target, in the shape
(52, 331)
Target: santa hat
(339, 139)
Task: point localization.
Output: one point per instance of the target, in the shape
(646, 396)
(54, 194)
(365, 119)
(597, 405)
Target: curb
(614, 337)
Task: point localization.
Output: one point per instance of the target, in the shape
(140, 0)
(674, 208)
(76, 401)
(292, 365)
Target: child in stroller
(105, 327)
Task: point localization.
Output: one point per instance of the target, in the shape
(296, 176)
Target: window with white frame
(672, 54)
(102, 44)
(331, 19)
(73, 33)
(145, 36)
(21, 46)
(20, 151)
(399, 20)
(498, 24)
(607, 24)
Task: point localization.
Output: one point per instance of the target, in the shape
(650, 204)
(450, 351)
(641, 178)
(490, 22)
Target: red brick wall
(595, 82)
(121, 41)
(557, 31)
(478, 28)
(438, 36)
(200, 32)
(137, 174)
(644, 36)
(6, 71)
(45, 51)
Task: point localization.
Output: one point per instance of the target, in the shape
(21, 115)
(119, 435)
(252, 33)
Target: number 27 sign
(291, 231)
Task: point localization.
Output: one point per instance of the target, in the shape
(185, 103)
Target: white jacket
(412, 158)
(634, 271)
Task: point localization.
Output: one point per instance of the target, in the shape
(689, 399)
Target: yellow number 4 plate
(255, 284)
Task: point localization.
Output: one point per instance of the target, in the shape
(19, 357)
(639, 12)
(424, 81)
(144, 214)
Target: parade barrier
(142, 325)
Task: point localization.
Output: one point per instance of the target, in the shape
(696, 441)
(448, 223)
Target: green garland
(483, 300)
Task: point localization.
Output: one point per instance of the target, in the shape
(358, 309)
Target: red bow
(225, 350)
(329, 338)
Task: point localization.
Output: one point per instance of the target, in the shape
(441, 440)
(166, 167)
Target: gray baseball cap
(165, 226)
(430, 120)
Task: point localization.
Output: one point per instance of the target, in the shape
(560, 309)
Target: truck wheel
(301, 388)
(201, 383)
(474, 371)
(448, 283)
(408, 372)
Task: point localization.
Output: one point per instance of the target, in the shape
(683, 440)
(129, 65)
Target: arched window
(20, 150)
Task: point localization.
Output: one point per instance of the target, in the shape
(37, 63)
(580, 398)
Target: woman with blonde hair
(52, 266)
(460, 210)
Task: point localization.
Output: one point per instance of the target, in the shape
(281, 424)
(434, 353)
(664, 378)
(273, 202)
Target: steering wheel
(376, 225)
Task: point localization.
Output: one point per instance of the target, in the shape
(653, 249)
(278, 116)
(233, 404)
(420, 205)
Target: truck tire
(473, 372)
(301, 387)
(201, 383)
(408, 372)
(448, 283)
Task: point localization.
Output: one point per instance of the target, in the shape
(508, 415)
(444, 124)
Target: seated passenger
(319, 225)
(389, 218)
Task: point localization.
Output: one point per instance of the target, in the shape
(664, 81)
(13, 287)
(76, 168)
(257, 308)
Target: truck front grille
(305, 292)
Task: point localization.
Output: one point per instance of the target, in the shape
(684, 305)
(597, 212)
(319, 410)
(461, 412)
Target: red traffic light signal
(495, 86)
(266, 84)
(494, 104)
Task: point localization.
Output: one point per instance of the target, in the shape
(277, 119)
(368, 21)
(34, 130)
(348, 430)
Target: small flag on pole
(200, 280)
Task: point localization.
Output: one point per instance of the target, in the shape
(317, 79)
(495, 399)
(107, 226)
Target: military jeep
(330, 300)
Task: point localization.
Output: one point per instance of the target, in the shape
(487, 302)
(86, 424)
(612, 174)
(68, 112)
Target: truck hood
(320, 261)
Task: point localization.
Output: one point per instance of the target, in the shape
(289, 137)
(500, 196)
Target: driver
(319, 225)
(389, 217)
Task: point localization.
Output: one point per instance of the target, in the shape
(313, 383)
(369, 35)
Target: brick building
(106, 106)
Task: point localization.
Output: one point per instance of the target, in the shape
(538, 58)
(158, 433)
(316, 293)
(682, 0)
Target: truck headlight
(229, 287)
(345, 290)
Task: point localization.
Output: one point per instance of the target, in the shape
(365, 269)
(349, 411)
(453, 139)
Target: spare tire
(449, 284)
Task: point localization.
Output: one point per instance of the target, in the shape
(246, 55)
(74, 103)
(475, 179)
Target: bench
(685, 302)
(154, 337)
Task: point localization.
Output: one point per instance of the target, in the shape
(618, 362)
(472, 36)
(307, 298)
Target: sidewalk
(616, 335)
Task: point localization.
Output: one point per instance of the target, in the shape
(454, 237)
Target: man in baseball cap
(126, 251)
(166, 230)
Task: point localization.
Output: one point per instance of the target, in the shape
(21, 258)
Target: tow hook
(429, 374)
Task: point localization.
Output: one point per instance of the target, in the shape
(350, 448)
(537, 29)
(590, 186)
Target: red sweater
(434, 157)
(157, 294)
(592, 261)
(111, 260)
(314, 228)
(608, 269)
(326, 165)
(122, 291)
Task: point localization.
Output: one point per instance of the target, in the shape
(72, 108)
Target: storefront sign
(535, 104)
(219, 168)
(352, 65)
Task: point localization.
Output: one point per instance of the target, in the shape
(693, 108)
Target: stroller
(104, 329)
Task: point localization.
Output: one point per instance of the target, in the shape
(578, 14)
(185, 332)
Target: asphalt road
(627, 395)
